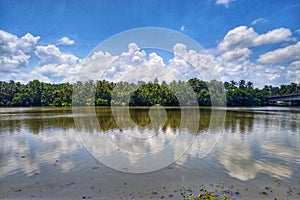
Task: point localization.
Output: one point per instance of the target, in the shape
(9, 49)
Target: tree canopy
(104, 93)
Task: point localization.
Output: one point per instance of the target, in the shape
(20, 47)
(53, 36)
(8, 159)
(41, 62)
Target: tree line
(105, 93)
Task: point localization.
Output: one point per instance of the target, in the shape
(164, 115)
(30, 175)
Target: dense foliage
(104, 93)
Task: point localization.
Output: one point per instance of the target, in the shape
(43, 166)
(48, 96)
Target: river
(149, 153)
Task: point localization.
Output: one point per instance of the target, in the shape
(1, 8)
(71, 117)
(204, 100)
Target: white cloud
(52, 54)
(258, 21)
(135, 65)
(56, 72)
(259, 74)
(229, 61)
(95, 66)
(224, 2)
(236, 55)
(54, 65)
(286, 54)
(15, 52)
(65, 41)
(244, 37)
(295, 65)
(293, 72)
(180, 50)
(274, 36)
(190, 63)
(239, 37)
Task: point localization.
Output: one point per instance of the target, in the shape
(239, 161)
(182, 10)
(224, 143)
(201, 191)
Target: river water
(149, 153)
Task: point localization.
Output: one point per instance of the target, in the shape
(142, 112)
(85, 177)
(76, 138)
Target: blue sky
(62, 33)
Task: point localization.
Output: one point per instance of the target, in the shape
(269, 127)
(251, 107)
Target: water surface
(44, 154)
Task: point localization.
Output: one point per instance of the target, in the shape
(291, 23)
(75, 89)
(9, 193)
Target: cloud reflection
(237, 157)
(281, 151)
(27, 153)
(245, 149)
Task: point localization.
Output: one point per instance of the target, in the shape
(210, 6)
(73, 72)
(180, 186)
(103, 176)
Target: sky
(55, 41)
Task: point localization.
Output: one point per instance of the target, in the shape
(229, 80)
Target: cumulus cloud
(56, 73)
(15, 52)
(95, 66)
(235, 51)
(135, 65)
(54, 65)
(274, 36)
(286, 54)
(244, 37)
(150, 71)
(231, 60)
(51, 54)
(239, 37)
(236, 55)
(259, 74)
(293, 71)
(65, 41)
(190, 63)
